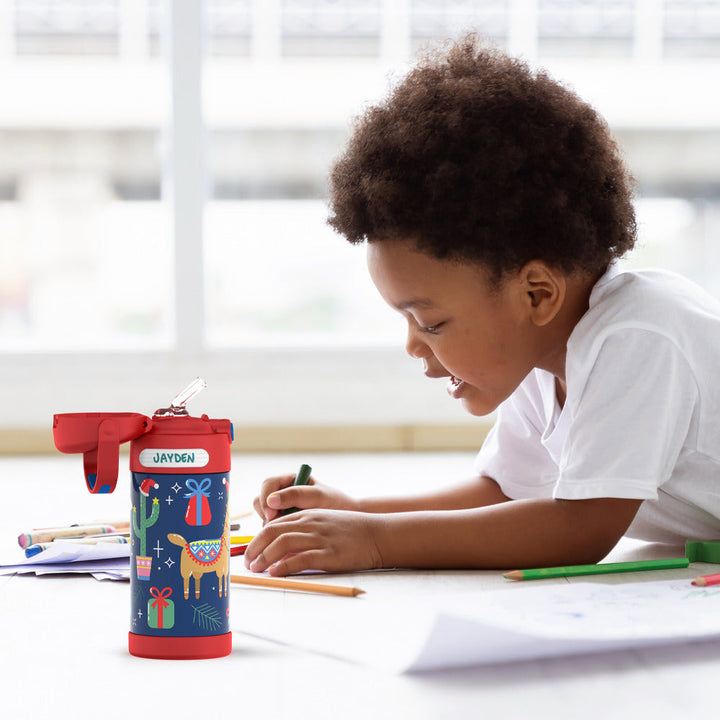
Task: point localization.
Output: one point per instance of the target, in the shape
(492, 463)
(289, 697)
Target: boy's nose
(415, 347)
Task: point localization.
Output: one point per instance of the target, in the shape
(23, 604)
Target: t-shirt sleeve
(630, 420)
(513, 454)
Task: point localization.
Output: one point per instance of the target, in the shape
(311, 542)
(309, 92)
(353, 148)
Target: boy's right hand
(278, 493)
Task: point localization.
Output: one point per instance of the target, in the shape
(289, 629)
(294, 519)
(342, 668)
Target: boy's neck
(575, 305)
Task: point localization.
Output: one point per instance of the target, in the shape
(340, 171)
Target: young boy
(493, 202)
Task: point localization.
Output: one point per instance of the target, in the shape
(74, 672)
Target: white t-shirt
(642, 414)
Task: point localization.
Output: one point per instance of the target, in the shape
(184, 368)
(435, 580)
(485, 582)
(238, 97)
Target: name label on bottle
(157, 457)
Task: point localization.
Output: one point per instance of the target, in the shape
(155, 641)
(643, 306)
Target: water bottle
(179, 522)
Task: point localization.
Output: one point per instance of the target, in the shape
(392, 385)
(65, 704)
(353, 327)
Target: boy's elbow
(596, 526)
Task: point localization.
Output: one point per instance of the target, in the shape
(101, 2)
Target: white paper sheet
(522, 622)
(103, 560)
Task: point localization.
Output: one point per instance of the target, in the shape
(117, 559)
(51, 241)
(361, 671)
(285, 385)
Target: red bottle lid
(161, 444)
(183, 444)
(98, 437)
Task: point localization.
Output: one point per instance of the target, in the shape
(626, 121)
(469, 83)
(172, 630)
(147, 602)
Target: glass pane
(591, 28)
(84, 237)
(438, 19)
(316, 28)
(227, 26)
(278, 275)
(49, 27)
(679, 234)
(692, 28)
(275, 272)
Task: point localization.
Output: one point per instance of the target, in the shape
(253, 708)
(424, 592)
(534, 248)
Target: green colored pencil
(600, 569)
(302, 477)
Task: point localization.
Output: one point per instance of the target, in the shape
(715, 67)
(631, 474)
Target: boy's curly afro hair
(476, 157)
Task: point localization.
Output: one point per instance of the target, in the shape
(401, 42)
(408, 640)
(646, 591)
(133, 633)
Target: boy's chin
(477, 408)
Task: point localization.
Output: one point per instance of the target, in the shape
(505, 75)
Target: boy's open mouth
(455, 386)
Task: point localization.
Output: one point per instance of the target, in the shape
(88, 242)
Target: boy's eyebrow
(417, 303)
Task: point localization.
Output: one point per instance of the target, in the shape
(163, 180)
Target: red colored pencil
(704, 580)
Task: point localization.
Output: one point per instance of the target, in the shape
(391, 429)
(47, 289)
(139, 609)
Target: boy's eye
(431, 329)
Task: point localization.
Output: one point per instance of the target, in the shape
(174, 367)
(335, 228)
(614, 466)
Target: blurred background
(163, 175)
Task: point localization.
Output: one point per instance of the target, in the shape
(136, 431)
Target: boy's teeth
(455, 386)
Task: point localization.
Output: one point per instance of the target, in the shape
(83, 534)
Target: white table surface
(63, 659)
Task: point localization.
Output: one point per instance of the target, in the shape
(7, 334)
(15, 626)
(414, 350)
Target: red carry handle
(98, 437)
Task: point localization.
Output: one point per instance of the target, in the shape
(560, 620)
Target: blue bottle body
(180, 560)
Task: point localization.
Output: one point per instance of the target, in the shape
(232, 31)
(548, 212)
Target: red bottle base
(180, 648)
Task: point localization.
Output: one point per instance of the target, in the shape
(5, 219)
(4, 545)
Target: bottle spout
(177, 404)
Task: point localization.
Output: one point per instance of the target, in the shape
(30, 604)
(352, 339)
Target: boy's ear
(544, 287)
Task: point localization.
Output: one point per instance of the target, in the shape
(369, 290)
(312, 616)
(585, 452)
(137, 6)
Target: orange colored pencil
(285, 584)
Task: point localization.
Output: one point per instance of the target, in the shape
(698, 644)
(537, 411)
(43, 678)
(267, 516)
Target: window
(84, 237)
(162, 214)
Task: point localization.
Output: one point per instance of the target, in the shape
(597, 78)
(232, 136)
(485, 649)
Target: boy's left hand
(318, 539)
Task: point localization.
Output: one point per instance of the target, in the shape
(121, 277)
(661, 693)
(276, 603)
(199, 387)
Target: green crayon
(302, 477)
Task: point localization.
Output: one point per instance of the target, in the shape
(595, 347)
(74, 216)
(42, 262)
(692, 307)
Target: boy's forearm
(517, 534)
(477, 492)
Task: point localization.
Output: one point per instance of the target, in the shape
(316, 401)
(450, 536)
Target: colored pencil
(599, 569)
(94, 540)
(285, 584)
(49, 534)
(36, 549)
(704, 580)
(302, 478)
(119, 525)
(239, 543)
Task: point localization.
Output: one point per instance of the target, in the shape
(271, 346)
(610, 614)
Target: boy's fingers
(273, 484)
(259, 544)
(292, 564)
(305, 496)
(270, 486)
(258, 507)
(277, 550)
(266, 514)
(275, 500)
